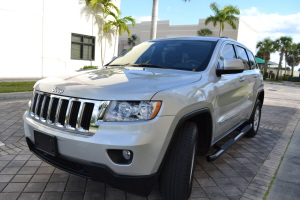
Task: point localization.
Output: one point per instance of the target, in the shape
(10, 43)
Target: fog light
(126, 154)
(121, 157)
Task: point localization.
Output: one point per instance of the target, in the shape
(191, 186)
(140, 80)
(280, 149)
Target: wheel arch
(203, 119)
(261, 96)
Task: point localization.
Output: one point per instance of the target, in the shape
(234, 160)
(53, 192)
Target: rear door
(248, 76)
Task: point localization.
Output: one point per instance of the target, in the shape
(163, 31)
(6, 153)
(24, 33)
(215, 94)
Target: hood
(117, 83)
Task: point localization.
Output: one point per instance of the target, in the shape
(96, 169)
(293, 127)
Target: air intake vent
(53, 110)
(86, 115)
(72, 114)
(63, 111)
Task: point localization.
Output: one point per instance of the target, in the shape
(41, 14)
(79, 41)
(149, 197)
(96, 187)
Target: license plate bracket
(46, 143)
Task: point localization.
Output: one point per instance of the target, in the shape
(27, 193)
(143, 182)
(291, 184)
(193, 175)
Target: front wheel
(177, 176)
(255, 119)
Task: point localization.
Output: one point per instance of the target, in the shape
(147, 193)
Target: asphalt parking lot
(243, 172)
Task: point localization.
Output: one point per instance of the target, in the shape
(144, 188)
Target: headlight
(132, 110)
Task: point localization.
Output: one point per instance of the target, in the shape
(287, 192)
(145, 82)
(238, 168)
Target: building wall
(36, 37)
(247, 36)
(243, 33)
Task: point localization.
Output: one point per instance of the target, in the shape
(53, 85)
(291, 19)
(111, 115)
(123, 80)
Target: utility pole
(154, 20)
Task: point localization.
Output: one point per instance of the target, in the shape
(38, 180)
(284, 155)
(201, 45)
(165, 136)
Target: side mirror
(231, 66)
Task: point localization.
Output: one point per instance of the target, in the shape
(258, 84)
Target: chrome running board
(228, 144)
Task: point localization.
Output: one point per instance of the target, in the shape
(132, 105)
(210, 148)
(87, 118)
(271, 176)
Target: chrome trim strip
(68, 113)
(31, 106)
(228, 118)
(56, 123)
(49, 111)
(36, 106)
(79, 117)
(42, 108)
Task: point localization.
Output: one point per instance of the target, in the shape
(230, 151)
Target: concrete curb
(260, 183)
(15, 95)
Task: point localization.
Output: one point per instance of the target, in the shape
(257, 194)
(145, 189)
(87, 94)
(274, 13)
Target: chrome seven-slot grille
(73, 114)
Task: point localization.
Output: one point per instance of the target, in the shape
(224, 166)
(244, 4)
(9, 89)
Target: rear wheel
(177, 176)
(255, 120)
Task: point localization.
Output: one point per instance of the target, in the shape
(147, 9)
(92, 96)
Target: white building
(244, 33)
(42, 37)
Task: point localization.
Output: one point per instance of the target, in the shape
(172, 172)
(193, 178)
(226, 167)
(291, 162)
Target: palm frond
(215, 7)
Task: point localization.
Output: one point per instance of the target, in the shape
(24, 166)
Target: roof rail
(224, 37)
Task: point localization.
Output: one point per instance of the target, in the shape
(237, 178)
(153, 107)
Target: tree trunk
(265, 69)
(279, 66)
(220, 33)
(115, 43)
(285, 63)
(266, 58)
(101, 48)
(154, 20)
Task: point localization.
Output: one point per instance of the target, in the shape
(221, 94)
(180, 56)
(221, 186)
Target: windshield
(191, 55)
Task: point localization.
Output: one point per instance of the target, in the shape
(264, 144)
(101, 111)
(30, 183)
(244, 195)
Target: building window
(82, 47)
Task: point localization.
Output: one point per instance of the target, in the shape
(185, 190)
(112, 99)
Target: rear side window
(228, 51)
(241, 52)
(251, 60)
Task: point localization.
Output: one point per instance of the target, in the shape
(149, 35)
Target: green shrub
(285, 77)
(90, 67)
(273, 76)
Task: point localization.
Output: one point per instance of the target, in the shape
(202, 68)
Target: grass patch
(90, 67)
(8, 87)
(297, 83)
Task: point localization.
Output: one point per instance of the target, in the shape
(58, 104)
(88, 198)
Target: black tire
(177, 176)
(255, 119)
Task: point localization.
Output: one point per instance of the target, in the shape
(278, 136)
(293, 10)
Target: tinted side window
(228, 51)
(251, 60)
(241, 52)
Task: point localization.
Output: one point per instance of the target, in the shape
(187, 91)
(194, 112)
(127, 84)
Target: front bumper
(140, 185)
(87, 155)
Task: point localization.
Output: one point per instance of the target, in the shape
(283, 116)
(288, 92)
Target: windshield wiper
(149, 65)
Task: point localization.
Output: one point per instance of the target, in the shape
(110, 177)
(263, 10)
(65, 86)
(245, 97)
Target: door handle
(242, 79)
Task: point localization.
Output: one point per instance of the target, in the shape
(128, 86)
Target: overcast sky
(270, 18)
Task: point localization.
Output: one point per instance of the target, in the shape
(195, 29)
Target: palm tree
(223, 15)
(154, 19)
(204, 32)
(132, 39)
(119, 26)
(292, 56)
(105, 8)
(267, 46)
(284, 43)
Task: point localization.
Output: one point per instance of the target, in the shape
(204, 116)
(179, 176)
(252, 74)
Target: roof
(261, 61)
(189, 38)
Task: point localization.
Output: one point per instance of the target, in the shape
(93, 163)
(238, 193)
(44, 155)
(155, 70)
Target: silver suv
(145, 116)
